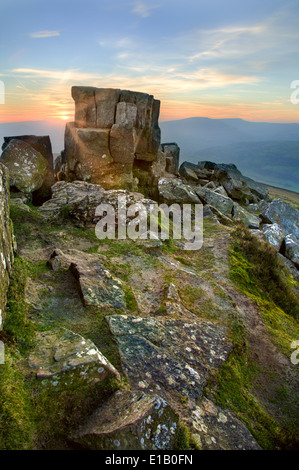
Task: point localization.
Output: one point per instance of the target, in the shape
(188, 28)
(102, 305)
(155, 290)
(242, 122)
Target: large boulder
(129, 421)
(41, 144)
(240, 214)
(6, 240)
(60, 354)
(281, 213)
(173, 190)
(79, 200)
(233, 182)
(223, 203)
(27, 167)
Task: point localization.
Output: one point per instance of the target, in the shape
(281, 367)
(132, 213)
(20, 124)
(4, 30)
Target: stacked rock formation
(114, 140)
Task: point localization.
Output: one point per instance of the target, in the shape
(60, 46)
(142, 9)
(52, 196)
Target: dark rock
(223, 203)
(172, 155)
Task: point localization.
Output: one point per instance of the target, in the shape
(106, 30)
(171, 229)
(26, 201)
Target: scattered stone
(130, 421)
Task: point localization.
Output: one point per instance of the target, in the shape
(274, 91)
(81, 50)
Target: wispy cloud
(44, 34)
(143, 9)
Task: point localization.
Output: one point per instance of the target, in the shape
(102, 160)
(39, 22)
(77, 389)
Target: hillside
(266, 152)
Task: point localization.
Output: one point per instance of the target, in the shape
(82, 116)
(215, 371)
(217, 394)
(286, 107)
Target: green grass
(17, 427)
(259, 273)
(17, 327)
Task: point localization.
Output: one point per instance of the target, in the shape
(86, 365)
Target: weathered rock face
(130, 421)
(27, 167)
(240, 214)
(113, 130)
(6, 240)
(182, 365)
(60, 353)
(41, 144)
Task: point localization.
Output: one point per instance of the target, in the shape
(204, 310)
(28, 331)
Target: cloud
(143, 9)
(44, 34)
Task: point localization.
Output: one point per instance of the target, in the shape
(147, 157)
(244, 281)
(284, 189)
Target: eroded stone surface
(97, 286)
(60, 351)
(130, 421)
(169, 355)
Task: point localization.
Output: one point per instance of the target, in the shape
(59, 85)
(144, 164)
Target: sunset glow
(218, 59)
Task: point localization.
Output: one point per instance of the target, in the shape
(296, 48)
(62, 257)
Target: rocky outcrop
(6, 240)
(115, 136)
(130, 421)
(79, 201)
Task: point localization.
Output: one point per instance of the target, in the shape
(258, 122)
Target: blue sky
(215, 58)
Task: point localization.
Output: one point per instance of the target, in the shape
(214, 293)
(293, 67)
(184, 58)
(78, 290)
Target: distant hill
(273, 163)
(55, 129)
(267, 152)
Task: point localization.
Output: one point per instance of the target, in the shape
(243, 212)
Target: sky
(209, 58)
